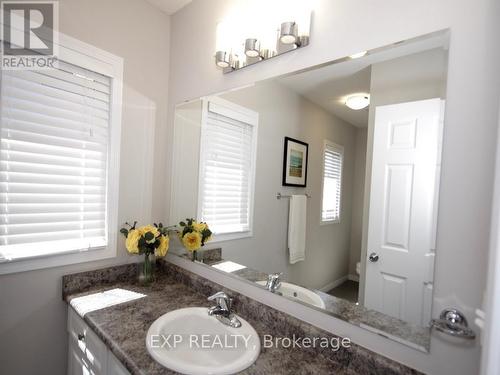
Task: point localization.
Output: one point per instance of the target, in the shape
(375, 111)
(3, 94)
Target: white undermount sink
(190, 341)
(296, 292)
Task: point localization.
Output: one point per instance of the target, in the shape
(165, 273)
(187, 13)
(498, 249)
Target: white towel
(297, 228)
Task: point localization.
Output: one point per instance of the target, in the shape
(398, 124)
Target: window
(227, 168)
(59, 150)
(333, 158)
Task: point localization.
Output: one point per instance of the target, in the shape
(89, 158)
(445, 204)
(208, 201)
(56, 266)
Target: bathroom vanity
(112, 340)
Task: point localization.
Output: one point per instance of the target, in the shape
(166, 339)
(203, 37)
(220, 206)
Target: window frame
(249, 117)
(92, 58)
(338, 147)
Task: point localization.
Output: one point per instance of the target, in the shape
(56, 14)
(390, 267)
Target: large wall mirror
(323, 185)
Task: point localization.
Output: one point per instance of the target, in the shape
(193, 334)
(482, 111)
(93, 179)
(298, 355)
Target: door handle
(373, 257)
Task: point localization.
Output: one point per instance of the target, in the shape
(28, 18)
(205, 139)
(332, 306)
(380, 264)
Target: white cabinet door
(402, 207)
(76, 362)
(86, 343)
(87, 354)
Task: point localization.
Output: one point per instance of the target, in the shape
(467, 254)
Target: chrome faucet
(222, 310)
(273, 282)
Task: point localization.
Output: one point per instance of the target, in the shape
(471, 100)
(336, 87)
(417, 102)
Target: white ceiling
(329, 92)
(169, 6)
(328, 86)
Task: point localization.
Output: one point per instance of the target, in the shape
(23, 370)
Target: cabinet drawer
(86, 343)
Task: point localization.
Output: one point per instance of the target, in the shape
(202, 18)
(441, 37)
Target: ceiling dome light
(358, 55)
(288, 33)
(358, 101)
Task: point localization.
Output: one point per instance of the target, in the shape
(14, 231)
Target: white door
(403, 197)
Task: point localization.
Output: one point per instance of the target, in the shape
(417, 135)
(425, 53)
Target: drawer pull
(81, 337)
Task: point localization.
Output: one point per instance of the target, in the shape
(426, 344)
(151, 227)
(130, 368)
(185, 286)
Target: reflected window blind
(332, 182)
(53, 162)
(226, 172)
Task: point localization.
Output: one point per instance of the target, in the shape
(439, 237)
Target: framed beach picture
(295, 163)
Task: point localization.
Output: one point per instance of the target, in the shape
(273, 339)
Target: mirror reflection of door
(399, 268)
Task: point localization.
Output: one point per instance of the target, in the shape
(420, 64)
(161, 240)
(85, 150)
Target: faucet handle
(222, 300)
(273, 281)
(274, 276)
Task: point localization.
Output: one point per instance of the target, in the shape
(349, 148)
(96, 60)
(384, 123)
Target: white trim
(334, 283)
(231, 236)
(340, 149)
(204, 116)
(237, 112)
(89, 57)
(353, 277)
(232, 110)
(338, 282)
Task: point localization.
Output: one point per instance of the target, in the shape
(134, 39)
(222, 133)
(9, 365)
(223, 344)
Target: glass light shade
(223, 39)
(252, 48)
(288, 32)
(222, 59)
(358, 101)
(298, 11)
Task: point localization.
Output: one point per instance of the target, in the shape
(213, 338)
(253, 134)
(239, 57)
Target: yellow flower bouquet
(147, 240)
(194, 235)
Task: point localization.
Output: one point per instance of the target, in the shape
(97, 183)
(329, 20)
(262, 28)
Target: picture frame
(295, 156)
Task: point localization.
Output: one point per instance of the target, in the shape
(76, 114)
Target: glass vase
(146, 271)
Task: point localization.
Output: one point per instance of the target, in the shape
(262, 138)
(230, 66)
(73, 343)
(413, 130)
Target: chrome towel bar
(279, 196)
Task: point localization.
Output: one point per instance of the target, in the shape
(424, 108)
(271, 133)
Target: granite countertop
(123, 327)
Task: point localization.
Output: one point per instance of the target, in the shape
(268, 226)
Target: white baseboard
(334, 283)
(353, 278)
(339, 281)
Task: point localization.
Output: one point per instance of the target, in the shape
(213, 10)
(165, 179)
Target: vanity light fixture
(358, 101)
(283, 26)
(358, 55)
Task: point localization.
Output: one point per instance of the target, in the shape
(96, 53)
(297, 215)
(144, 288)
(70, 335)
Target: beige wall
(358, 191)
(340, 28)
(186, 166)
(32, 313)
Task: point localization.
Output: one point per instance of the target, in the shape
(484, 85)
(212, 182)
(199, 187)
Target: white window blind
(227, 161)
(53, 161)
(333, 156)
